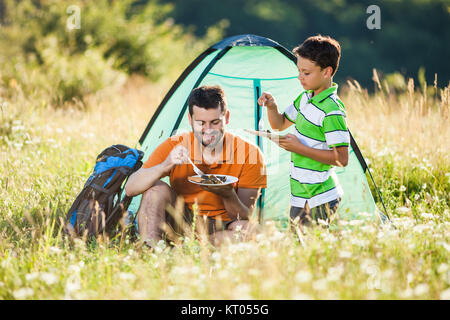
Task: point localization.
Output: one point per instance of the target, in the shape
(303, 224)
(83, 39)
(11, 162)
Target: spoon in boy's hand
(261, 121)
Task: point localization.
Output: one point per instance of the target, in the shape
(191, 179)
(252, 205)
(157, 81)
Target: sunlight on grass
(47, 154)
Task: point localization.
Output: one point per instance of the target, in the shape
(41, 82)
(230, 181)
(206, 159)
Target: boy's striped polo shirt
(320, 124)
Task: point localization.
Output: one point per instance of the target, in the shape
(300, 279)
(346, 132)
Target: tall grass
(46, 154)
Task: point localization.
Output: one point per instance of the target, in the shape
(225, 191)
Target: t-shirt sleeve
(159, 154)
(291, 113)
(254, 173)
(335, 129)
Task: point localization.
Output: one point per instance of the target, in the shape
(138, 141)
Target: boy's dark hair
(207, 97)
(323, 50)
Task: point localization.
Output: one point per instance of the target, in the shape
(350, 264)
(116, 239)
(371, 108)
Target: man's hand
(225, 191)
(178, 155)
(290, 143)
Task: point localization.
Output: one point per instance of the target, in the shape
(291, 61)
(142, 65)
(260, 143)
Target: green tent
(244, 66)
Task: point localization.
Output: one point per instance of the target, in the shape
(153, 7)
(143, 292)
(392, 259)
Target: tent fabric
(245, 66)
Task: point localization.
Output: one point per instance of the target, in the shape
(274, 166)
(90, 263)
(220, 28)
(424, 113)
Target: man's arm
(238, 204)
(145, 178)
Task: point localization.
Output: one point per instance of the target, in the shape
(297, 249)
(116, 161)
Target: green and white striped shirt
(320, 124)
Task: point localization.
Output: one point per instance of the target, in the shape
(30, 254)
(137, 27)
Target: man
(224, 209)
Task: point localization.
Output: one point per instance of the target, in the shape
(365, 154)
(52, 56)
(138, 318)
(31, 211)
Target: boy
(321, 138)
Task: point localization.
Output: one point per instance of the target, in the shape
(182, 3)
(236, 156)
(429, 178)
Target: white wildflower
(303, 277)
(403, 209)
(127, 276)
(443, 267)
(23, 293)
(402, 188)
(421, 289)
(215, 256)
(49, 278)
(74, 268)
(335, 273)
(242, 292)
(55, 250)
(320, 284)
(301, 296)
(427, 216)
(445, 245)
(31, 276)
(445, 295)
(72, 286)
(406, 294)
(142, 294)
(254, 272)
(345, 254)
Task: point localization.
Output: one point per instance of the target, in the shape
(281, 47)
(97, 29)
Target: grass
(46, 154)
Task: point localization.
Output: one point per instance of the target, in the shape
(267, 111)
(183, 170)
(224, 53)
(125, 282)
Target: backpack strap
(97, 187)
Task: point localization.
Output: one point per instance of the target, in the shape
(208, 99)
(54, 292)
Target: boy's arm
(278, 121)
(336, 157)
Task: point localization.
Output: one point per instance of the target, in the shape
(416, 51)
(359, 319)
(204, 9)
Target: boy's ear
(328, 72)
(189, 118)
(227, 117)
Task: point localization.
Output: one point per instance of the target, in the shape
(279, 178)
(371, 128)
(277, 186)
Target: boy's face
(311, 75)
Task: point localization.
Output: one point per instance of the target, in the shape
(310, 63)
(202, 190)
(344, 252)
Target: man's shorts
(307, 215)
(202, 223)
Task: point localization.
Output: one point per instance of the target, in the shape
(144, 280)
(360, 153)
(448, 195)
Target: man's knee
(159, 191)
(242, 225)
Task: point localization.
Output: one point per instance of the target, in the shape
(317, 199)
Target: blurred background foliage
(42, 59)
(413, 34)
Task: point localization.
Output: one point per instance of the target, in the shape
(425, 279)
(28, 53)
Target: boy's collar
(323, 95)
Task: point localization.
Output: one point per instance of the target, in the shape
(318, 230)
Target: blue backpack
(98, 208)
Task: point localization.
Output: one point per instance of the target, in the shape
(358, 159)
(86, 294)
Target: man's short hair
(207, 97)
(323, 50)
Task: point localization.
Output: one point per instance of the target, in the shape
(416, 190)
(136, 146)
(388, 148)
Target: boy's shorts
(307, 215)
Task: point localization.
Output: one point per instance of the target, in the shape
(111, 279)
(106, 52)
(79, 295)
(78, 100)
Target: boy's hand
(268, 100)
(290, 143)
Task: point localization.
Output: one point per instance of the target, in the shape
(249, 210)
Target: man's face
(208, 125)
(311, 75)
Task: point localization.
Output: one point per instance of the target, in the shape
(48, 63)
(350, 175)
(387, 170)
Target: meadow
(48, 151)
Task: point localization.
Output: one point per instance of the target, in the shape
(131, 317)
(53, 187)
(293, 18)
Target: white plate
(230, 180)
(271, 135)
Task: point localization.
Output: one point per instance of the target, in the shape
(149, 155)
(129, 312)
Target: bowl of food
(212, 179)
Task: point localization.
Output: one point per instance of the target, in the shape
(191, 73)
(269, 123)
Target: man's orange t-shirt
(239, 158)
